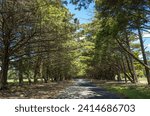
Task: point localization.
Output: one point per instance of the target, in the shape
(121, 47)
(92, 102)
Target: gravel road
(84, 89)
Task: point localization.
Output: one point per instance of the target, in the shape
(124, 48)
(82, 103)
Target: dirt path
(84, 89)
(73, 89)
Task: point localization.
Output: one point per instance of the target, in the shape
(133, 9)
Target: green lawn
(130, 91)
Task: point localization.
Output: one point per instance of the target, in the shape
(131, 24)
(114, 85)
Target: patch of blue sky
(83, 15)
(146, 38)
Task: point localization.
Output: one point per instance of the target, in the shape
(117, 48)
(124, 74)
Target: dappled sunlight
(85, 89)
(74, 49)
(38, 91)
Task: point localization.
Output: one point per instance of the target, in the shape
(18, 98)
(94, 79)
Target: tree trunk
(118, 76)
(144, 56)
(131, 54)
(20, 73)
(130, 69)
(37, 68)
(46, 77)
(29, 79)
(5, 66)
(133, 72)
(123, 67)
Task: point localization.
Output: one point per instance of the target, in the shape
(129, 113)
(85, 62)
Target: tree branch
(120, 44)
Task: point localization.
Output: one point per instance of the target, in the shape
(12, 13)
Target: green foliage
(116, 49)
(131, 92)
(44, 44)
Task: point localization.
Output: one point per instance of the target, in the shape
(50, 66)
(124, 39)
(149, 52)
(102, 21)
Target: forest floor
(34, 91)
(78, 89)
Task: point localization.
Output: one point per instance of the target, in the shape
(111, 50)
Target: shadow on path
(84, 89)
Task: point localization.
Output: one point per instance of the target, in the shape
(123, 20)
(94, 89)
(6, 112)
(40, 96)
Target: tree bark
(37, 69)
(144, 56)
(130, 69)
(5, 66)
(20, 73)
(133, 72)
(142, 63)
(123, 67)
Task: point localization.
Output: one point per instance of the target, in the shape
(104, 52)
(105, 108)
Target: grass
(16, 81)
(129, 91)
(143, 80)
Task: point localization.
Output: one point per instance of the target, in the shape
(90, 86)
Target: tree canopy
(41, 41)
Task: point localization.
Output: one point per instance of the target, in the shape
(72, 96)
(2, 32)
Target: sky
(146, 39)
(84, 15)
